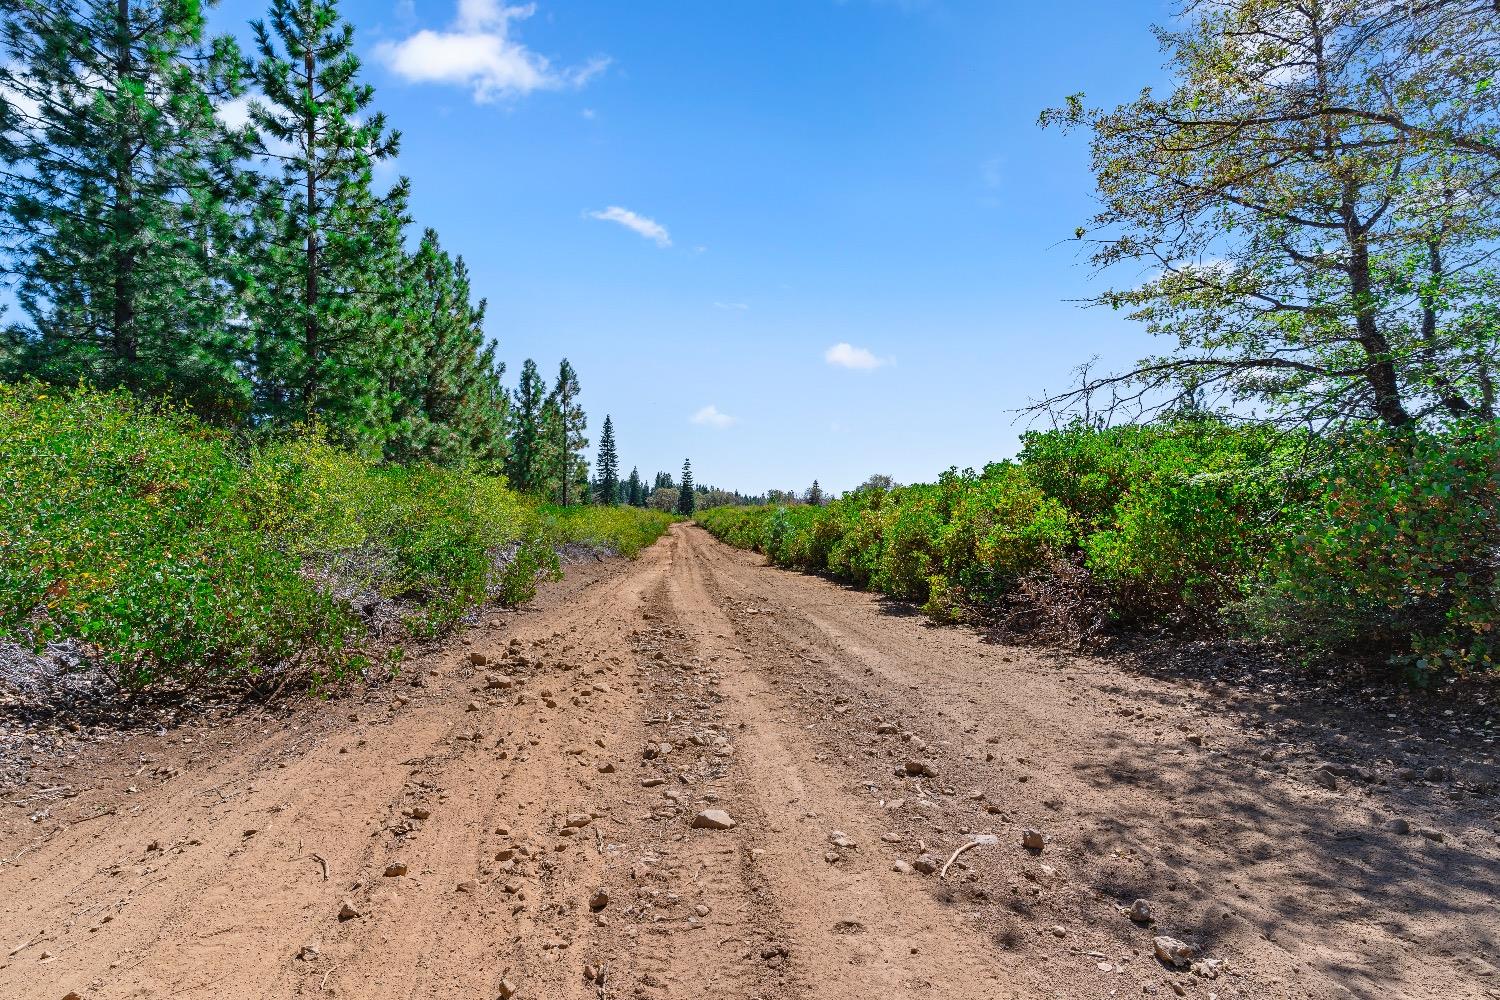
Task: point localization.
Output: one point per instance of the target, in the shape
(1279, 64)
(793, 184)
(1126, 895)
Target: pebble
(1033, 840)
(1140, 911)
(926, 864)
(919, 769)
(902, 868)
(1397, 826)
(347, 911)
(1326, 779)
(395, 870)
(599, 900)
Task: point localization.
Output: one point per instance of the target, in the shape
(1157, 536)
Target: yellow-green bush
(179, 554)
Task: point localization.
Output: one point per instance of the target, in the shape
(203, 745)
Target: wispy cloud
(636, 223)
(732, 306)
(479, 51)
(711, 416)
(844, 355)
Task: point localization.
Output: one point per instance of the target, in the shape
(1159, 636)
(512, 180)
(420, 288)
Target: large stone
(1173, 952)
(713, 819)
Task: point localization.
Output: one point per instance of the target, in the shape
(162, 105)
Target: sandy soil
(542, 804)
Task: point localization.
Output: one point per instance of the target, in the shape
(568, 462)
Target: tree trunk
(122, 318)
(310, 345)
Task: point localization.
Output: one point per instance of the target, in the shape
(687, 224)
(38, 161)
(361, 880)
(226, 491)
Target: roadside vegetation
(181, 554)
(1367, 543)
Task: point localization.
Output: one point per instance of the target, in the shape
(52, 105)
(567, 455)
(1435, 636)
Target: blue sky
(790, 239)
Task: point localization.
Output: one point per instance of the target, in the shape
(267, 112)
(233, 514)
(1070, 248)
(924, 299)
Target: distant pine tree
(525, 468)
(571, 469)
(635, 493)
(686, 499)
(447, 403)
(607, 466)
(815, 494)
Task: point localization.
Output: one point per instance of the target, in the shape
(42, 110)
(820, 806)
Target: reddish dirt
(214, 860)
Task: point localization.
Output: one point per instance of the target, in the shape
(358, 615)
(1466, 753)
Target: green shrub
(1397, 554)
(127, 527)
(180, 555)
(626, 530)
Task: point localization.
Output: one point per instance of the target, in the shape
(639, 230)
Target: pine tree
(525, 468)
(686, 498)
(570, 469)
(635, 493)
(325, 295)
(607, 466)
(117, 181)
(446, 402)
(663, 481)
(815, 494)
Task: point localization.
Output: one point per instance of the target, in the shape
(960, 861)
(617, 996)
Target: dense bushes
(1397, 549)
(1378, 544)
(181, 554)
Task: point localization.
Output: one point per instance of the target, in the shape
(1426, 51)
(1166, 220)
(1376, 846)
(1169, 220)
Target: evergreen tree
(565, 433)
(325, 294)
(815, 494)
(117, 184)
(635, 492)
(447, 405)
(525, 468)
(663, 482)
(686, 498)
(607, 466)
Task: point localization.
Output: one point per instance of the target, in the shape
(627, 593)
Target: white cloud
(235, 113)
(732, 306)
(710, 416)
(479, 52)
(649, 228)
(843, 355)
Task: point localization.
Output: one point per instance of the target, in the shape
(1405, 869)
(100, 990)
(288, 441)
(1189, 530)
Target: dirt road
(526, 825)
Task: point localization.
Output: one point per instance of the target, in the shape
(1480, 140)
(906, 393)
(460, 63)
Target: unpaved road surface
(846, 740)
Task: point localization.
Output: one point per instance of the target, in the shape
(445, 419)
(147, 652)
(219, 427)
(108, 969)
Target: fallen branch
(319, 859)
(982, 840)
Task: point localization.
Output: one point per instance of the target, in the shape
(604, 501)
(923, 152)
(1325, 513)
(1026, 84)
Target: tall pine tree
(635, 492)
(117, 182)
(607, 466)
(687, 500)
(565, 432)
(326, 292)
